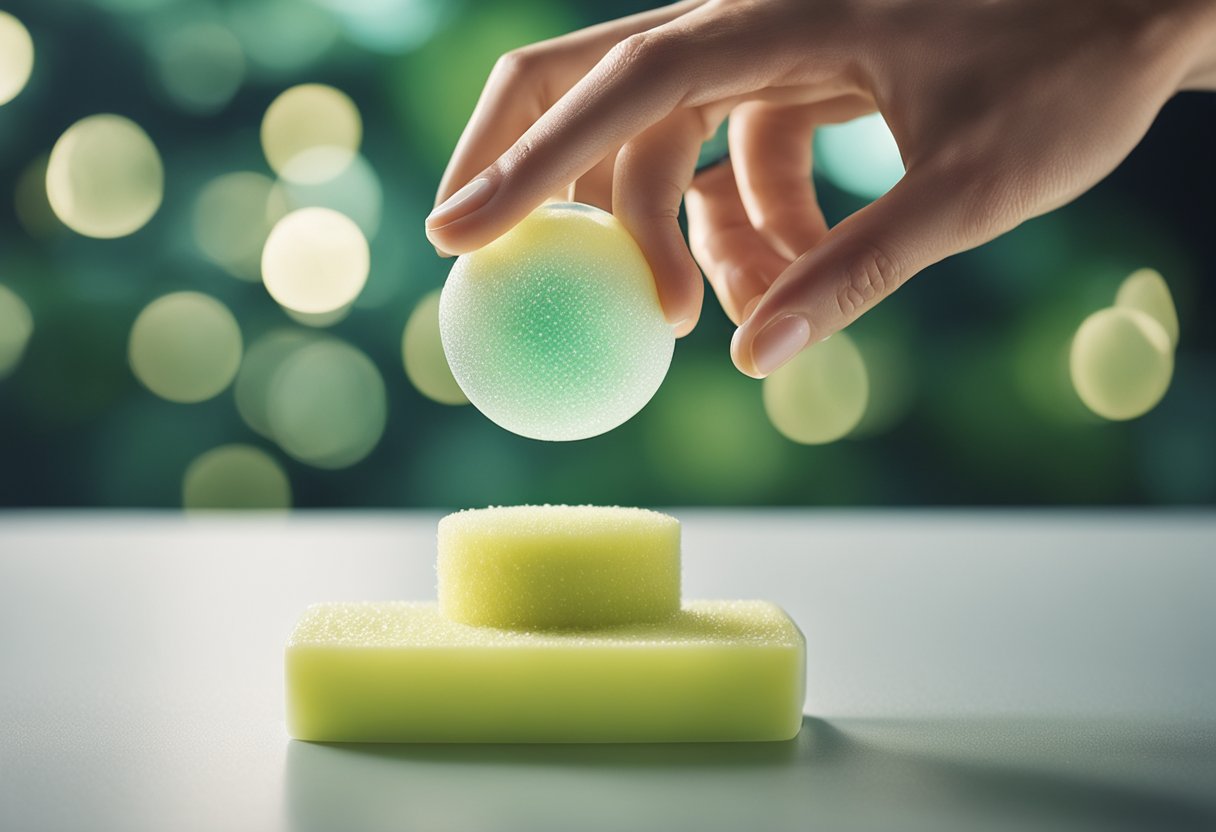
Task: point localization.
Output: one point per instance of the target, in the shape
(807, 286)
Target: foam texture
(533, 567)
(402, 672)
(554, 330)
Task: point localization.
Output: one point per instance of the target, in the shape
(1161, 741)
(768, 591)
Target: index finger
(514, 94)
(641, 80)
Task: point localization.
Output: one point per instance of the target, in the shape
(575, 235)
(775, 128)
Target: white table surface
(998, 670)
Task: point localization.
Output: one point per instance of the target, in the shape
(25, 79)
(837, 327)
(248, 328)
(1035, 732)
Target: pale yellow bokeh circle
(311, 132)
(185, 347)
(327, 404)
(821, 395)
(315, 260)
(233, 216)
(355, 192)
(1121, 362)
(104, 178)
(16, 327)
(320, 320)
(422, 350)
(16, 57)
(261, 361)
(235, 477)
(1146, 290)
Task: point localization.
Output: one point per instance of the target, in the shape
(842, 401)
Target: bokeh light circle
(201, 66)
(311, 132)
(16, 57)
(422, 351)
(1147, 291)
(233, 216)
(1121, 362)
(320, 320)
(859, 156)
(104, 178)
(389, 26)
(554, 330)
(185, 347)
(16, 327)
(282, 37)
(327, 405)
(355, 192)
(821, 395)
(315, 260)
(261, 361)
(235, 477)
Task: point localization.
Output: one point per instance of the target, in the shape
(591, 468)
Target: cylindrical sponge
(545, 567)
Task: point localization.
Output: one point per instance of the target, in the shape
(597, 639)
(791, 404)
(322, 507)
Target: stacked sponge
(554, 624)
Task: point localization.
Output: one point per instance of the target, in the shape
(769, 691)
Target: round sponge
(544, 567)
(554, 330)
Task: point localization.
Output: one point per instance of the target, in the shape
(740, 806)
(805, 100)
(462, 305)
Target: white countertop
(966, 670)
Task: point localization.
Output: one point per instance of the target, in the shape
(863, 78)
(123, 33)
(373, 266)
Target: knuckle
(869, 276)
(640, 51)
(518, 63)
(519, 156)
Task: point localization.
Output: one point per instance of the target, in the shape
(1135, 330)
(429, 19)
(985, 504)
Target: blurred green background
(970, 399)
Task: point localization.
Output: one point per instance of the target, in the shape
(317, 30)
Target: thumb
(861, 261)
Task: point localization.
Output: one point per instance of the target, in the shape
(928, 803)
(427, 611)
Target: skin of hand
(1002, 110)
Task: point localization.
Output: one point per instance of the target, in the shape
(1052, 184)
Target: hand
(1002, 110)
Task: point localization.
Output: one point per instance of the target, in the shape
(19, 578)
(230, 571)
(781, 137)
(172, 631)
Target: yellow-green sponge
(401, 672)
(538, 567)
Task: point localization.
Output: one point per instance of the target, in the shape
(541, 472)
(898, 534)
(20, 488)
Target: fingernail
(462, 203)
(750, 307)
(779, 341)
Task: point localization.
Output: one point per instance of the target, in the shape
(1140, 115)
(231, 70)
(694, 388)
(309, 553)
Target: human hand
(1002, 111)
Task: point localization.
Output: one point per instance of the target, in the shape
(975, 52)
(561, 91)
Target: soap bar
(529, 567)
(554, 330)
(401, 672)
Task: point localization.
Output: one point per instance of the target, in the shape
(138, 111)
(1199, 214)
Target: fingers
(770, 148)
(737, 261)
(639, 82)
(510, 102)
(865, 258)
(519, 88)
(595, 186)
(652, 172)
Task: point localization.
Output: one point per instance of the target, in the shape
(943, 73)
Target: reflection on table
(850, 774)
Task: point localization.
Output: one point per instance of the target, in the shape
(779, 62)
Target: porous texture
(536, 567)
(554, 331)
(402, 672)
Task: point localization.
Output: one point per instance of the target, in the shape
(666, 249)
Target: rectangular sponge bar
(401, 672)
(530, 567)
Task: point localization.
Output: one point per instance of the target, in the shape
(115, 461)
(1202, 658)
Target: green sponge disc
(554, 330)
